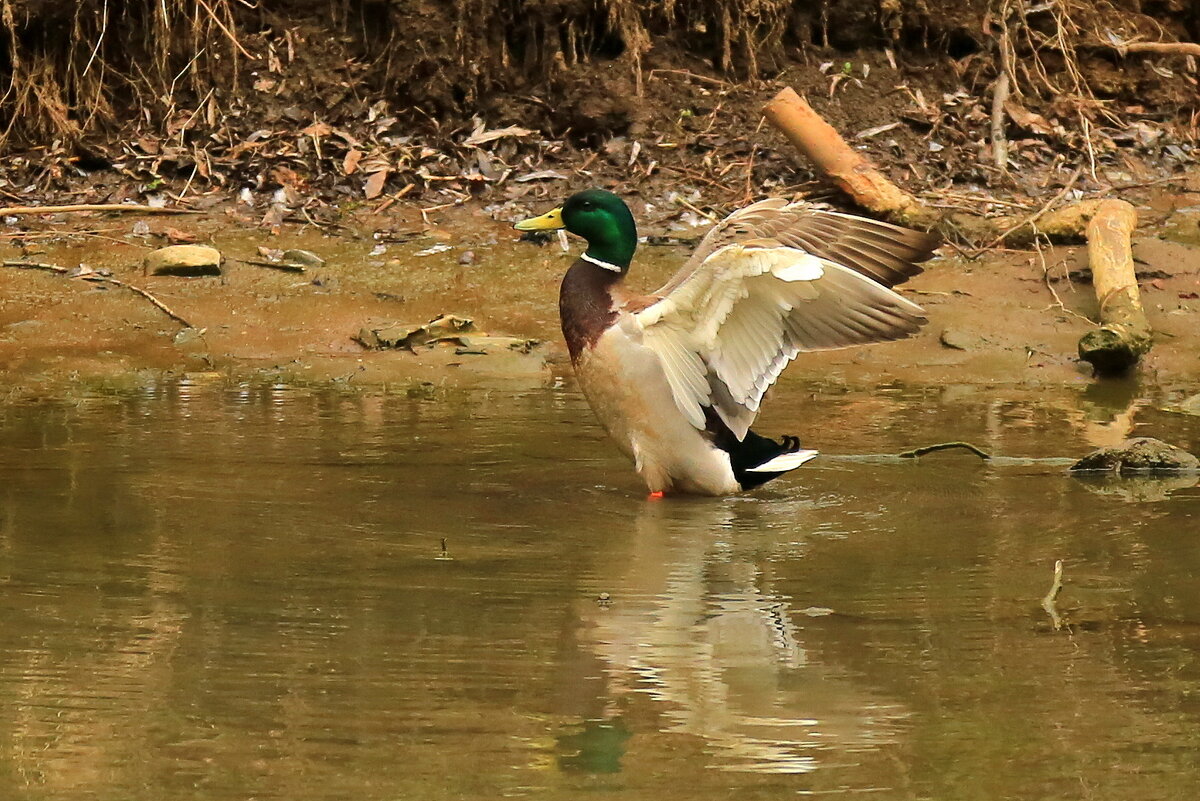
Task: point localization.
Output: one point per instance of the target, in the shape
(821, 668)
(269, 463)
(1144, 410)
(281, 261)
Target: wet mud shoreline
(1010, 318)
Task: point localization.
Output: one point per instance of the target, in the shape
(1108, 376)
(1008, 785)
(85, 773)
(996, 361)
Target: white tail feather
(784, 462)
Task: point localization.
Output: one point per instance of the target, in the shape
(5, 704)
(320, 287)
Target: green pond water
(260, 592)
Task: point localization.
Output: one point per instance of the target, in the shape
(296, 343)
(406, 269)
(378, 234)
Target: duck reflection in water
(695, 623)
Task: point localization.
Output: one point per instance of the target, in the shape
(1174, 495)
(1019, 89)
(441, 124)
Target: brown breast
(585, 304)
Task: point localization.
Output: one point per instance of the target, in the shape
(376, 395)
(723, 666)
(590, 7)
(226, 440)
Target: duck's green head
(598, 216)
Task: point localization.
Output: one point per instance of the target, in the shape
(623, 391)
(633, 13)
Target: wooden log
(1124, 334)
(849, 170)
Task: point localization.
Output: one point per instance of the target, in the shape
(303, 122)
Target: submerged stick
(1049, 603)
(850, 170)
(1124, 334)
(943, 446)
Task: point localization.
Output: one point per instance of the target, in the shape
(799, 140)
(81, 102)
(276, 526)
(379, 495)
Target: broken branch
(821, 144)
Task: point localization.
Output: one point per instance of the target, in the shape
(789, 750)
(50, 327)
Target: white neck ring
(600, 263)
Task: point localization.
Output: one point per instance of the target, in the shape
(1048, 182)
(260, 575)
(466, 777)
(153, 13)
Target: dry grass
(71, 67)
(157, 56)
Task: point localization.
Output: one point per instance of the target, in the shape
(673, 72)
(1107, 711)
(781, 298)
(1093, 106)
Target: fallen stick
(138, 290)
(102, 279)
(1124, 334)
(850, 170)
(14, 211)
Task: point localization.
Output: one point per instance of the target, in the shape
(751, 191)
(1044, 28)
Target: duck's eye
(587, 204)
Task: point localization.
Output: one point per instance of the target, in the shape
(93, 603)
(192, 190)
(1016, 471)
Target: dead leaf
(479, 137)
(317, 129)
(375, 184)
(350, 163)
(542, 175)
(285, 176)
(1026, 119)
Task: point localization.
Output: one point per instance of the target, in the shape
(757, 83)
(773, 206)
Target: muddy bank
(1010, 318)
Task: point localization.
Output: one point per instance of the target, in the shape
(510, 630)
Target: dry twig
(100, 279)
(120, 207)
(1033, 218)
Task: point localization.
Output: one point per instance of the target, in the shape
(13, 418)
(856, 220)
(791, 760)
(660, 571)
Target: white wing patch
(726, 331)
(806, 269)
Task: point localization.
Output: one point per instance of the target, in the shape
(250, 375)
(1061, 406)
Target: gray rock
(184, 260)
(1139, 455)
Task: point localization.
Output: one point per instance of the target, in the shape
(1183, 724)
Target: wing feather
(772, 281)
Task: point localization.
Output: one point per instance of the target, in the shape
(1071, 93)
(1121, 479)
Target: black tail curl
(753, 450)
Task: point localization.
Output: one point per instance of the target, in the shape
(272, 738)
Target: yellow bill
(550, 221)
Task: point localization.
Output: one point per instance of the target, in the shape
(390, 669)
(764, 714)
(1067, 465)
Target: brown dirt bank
(996, 321)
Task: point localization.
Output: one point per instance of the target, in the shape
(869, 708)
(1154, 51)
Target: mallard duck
(676, 377)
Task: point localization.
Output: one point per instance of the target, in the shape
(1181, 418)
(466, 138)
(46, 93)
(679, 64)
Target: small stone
(184, 260)
(467, 257)
(956, 339)
(1141, 454)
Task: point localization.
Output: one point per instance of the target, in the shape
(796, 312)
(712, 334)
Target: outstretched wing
(771, 281)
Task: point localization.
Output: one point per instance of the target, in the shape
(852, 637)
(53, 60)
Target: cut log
(1124, 334)
(848, 169)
